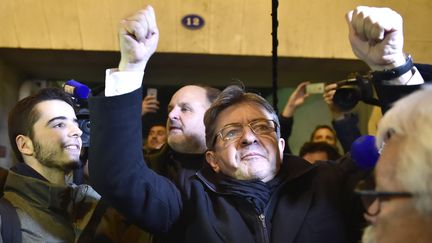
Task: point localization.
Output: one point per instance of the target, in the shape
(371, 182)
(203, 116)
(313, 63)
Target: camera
(80, 94)
(350, 91)
(83, 116)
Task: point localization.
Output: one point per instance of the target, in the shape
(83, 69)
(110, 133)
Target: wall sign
(192, 22)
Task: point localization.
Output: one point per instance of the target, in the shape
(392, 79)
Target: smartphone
(152, 92)
(316, 88)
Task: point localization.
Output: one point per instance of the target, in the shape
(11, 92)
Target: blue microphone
(77, 89)
(364, 152)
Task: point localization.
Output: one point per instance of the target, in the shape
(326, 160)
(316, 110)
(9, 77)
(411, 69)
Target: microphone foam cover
(81, 91)
(364, 152)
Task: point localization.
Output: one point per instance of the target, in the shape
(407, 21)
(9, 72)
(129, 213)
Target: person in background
(150, 104)
(314, 151)
(345, 123)
(324, 133)
(156, 138)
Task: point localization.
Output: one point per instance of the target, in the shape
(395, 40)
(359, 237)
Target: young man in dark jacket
(45, 136)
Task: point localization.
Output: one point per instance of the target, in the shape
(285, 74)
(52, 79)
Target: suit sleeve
(388, 94)
(117, 167)
(347, 131)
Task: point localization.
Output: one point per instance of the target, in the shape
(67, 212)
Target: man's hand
(376, 36)
(296, 99)
(138, 36)
(329, 92)
(149, 105)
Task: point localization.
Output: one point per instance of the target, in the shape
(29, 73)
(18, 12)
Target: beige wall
(314, 28)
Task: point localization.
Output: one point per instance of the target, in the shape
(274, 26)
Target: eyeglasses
(372, 199)
(234, 131)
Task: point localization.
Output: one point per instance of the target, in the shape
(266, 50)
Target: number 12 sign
(192, 21)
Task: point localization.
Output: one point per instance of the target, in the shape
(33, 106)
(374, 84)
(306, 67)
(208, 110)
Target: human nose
(373, 211)
(174, 113)
(370, 219)
(248, 137)
(75, 131)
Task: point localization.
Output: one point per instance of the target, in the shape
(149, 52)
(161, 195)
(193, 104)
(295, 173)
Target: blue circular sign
(192, 21)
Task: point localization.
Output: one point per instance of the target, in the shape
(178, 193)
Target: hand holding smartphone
(152, 92)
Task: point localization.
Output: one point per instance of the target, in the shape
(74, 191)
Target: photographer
(344, 123)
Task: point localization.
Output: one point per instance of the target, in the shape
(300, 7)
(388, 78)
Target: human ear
(281, 145)
(211, 159)
(24, 144)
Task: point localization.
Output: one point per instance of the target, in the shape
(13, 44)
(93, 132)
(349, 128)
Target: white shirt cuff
(122, 82)
(416, 78)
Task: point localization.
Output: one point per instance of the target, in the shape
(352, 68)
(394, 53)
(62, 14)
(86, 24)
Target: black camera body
(83, 116)
(350, 91)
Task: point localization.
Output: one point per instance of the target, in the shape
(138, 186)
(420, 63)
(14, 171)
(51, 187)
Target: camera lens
(346, 97)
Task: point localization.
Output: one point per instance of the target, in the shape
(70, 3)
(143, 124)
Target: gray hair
(411, 120)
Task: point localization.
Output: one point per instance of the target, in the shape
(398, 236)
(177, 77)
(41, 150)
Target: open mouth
(73, 147)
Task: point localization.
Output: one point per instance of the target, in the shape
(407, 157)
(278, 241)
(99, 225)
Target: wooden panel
(256, 31)
(97, 31)
(222, 38)
(193, 41)
(317, 28)
(314, 28)
(417, 22)
(8, 36)
(63, 24)
(31, 26)
(168, 19)
(118, 10)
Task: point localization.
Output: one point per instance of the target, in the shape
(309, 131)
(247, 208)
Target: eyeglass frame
(219, 133)
(377, 195)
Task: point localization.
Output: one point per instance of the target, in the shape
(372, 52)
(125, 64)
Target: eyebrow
(63, 118)
(181, 104)
(253, 120)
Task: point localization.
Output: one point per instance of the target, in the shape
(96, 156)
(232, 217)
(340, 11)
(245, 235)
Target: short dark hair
(23, 115)
(231, 95)
(312, 147)
(318, 127)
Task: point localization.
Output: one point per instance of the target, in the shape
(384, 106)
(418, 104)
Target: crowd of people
(220, 170)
